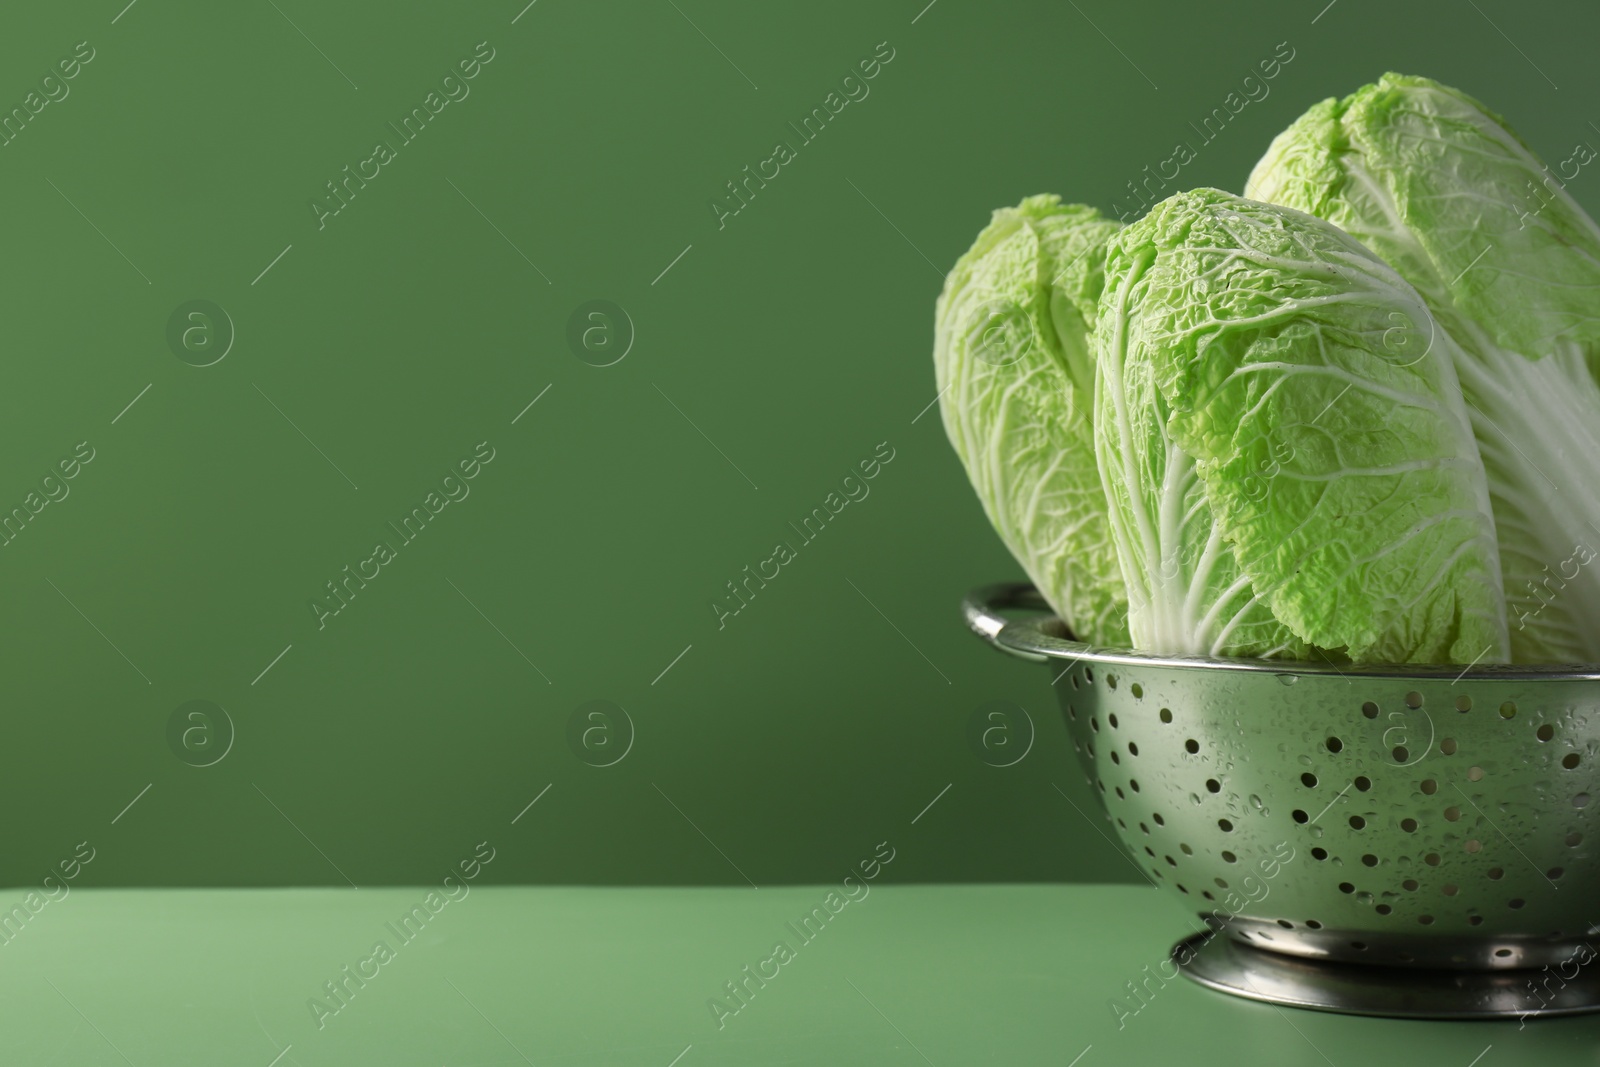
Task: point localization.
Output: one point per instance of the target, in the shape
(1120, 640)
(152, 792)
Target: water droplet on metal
(1288, 679)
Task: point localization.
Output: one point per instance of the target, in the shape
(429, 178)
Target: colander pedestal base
(1230, 966)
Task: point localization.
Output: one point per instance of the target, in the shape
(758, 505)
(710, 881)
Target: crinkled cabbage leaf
(1285, 476)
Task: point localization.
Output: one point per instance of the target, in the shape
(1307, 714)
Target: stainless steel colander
(1413, 841)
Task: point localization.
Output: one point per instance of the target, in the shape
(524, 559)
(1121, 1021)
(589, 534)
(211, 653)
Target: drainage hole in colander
(1112, 718)
(1074, 680)
(1120, 794)
(1409, 885)
(1545, 732)
(1111, 682)
(1286, 924)
(1425, 920)
(1474, 774)
(1151, 851)
(1312, 924)
(1554, 872)
(1383, 909)
(1431, 859)
(1359, 946)
(1363, 783)
(1334, 744)
(1170, 861)
(1145, 828)
(1570, 760)
(1227, 827)
(1308, 780)
(1452, 813)
(1191, 746)
(1357, 822)
(1449, 890)
(1408, 825)
(1137, 690)
(1502, 952)
(1401, 753)
(1319, 853)
(1300, 816)
(1213, 785)
(1122, 824)
(1185, 849)
(1429, 786)
(1448, 746)
(1574, 839)
(1114, 757)
(1088, 674)
(1094, 724)
(1496, 873)
(1222, 883)
(1581, 800)
(1159, 820)
(1370, 860)
(1229, 857)
(1474, 845)
(1207, 894)
(1515, 902)
(1413, 700)
(1101, 784)
(1264, 936)
(1133, 783)
(1474, 920)
(1370, 710)
(1404, 957)
(1508, 709)
(1133, 749)
(1166, 715)
(1181, 889)
(1463, 703)
(1346, 887)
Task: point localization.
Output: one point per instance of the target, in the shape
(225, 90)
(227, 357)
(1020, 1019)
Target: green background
(770, 356)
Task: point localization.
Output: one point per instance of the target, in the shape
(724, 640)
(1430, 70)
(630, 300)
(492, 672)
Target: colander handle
(981, 608)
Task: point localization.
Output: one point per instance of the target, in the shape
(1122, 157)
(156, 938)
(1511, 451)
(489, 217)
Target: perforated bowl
(1416, 841)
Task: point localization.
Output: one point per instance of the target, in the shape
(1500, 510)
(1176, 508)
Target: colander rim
(1044, 637)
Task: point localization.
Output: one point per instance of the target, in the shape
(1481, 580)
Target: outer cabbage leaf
(1509, 264)
(1016, 386)
(1283, 471)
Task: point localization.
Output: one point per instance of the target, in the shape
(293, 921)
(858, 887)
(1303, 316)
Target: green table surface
(942, 975)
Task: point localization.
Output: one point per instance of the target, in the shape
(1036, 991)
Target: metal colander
(1416, 841)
